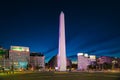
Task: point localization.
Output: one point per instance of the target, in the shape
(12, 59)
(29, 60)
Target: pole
(4, 61)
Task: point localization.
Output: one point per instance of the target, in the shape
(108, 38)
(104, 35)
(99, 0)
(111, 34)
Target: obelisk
(62, 46)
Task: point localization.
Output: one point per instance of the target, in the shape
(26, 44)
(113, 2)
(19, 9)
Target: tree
(113, 64)
(29, 66)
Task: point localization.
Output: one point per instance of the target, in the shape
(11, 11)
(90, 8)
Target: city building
(19, 57)
(37, 61)
(104, 59)
(4, 58)
(83, 61)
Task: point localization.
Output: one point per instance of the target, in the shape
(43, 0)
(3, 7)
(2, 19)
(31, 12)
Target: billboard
(80, 54)
(20, 48)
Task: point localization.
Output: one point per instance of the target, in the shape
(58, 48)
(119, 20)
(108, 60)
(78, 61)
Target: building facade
(4, 58)
(104, 59)
(19, 57)
(37, 60)
(84, 61)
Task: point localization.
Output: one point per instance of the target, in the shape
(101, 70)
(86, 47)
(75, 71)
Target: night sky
(92, 27)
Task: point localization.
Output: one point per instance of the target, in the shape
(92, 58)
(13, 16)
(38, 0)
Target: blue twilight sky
(92, 27)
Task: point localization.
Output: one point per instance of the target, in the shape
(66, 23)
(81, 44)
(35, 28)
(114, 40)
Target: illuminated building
(4, 58)
(92, 58)
(19, 56)
(104, 59)
(37, 60)
(84, 60)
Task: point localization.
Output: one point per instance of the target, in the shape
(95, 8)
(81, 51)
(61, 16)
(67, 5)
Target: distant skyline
(92, 27)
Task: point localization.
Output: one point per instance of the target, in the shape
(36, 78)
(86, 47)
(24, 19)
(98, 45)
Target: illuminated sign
(80, 54)
(92, 57)
(19, 48)
(86, 55)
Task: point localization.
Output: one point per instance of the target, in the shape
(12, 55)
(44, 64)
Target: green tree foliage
(2, 51)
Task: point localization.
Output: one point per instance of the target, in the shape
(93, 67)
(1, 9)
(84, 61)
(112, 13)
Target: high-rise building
(19, 56)
(61, 60)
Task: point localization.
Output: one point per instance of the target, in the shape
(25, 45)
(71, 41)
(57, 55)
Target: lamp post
(4, 61)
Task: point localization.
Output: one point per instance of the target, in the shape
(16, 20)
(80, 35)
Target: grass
(61, 76)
